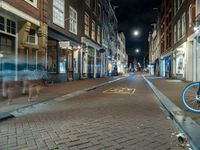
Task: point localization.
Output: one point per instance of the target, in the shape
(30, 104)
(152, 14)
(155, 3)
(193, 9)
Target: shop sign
(64, 44)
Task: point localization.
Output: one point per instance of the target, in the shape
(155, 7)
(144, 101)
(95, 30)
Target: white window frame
(36, 37)
(190, 16)
(178, 29)
(197, 7)
(34, 3)
(175, 33)
(73, 18)
(183, 24)
(86, 24)
(93, 30)
(56, 9)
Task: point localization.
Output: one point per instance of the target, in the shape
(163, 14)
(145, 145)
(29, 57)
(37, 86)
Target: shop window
(52, 60)
(11, 27)
(62, 64)
(73, 20)
(2, 23)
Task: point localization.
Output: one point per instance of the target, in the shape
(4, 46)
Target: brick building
(166, 37)
(70, 39)
(22, 40)
(179, 28)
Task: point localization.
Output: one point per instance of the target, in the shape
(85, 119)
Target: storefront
(98, 64)
(162, 67)
(180, 65)
(168, 67)
(90, 62)
(8, 47)
(61, 63)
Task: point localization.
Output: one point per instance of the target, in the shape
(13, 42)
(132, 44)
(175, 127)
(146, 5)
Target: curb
(40, 105)
(185, 123)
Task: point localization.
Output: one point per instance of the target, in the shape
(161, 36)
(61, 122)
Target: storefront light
(196, 28)
(180, 49)
(1, 55)
(70, 47)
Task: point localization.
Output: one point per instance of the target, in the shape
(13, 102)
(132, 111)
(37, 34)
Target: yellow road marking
(120, 90)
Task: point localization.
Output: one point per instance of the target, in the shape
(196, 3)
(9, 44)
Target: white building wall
(188, 62)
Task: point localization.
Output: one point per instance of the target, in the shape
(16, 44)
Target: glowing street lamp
(137, 50)
(136, 33)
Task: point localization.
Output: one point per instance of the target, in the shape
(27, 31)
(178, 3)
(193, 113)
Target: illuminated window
(93, 30)
(86, 20)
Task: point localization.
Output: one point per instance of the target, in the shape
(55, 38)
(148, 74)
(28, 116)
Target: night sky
(136, 14)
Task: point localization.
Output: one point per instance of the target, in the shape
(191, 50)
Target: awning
(61, 37)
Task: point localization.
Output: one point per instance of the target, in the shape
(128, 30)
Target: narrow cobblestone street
(96, 120)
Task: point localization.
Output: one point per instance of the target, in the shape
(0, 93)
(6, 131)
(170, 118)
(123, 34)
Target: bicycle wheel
(191, 97)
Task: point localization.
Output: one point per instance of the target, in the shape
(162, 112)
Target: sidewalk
(172, 89)
(168, 92)
(51, 92)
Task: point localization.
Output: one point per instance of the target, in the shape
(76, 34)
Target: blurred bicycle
(191, 97)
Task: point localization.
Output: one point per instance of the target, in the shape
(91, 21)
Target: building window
(11, 27)
(175, 5)
(32, 2)
(197, 7)
(183, 25)
(58, 12)
(99, 11)
(73, 20)
(87, 2)
(31, 39)
(52, 65)
(179, 29)
(93, 30)
(98, 34)
(175, 34)
(2, 23)
(94, 3)
(86, 20)
(190, 15)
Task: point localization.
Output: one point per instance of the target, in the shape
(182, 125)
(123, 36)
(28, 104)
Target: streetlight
(137, 50)
(136, 33)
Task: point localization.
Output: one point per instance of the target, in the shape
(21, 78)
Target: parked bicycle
(191, 97)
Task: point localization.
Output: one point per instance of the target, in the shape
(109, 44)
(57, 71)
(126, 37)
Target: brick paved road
(95, 120)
